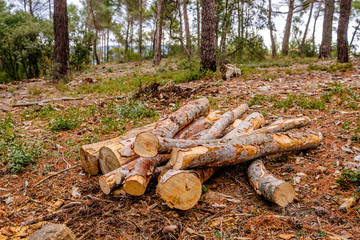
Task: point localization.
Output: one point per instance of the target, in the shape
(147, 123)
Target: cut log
(232, 126)
(89, 154)
(243, 149)
(273, 189)
(110, 158)
(53, 232)
(147, 144)
(250, 123)
(224, 121)
(114, 179)
(169, 126)
(181, 189)
(198, 125)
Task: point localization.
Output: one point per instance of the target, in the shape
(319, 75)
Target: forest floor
(38, 141)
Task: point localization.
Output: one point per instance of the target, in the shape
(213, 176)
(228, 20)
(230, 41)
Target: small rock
(321, 211)
(53, 232)
(170, 228)
(347, 204)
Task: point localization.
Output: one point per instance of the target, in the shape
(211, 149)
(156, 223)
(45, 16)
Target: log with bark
(267, 185)
(243, 149)
(114, 179)
(224, 121)
(89, 154)
(181, 189)
(198, 125)
(250, 123)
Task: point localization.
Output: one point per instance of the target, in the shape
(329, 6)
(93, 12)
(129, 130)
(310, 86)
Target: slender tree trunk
(354, 34)
(25, 6)
(180, 27)
(342, 44)
(31, 8)
(127, 35)
(273, 46)
(96, 34)
(198, 23)
(325, 47)
(61, 33)
(302, 49)
(315, 21)
(158, 33)
(285, 43)
(224, 28)
(107, 42)
(49, 9)
(208, 53)
(187, 29)
(140, 26)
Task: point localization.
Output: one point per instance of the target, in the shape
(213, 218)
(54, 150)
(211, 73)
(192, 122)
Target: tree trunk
(49, 9)
(302, 48)
(158, 33)
(273, 46)
(140, 26)
(267, 185)
(61, 33)
(198, 125)
(96, 33)
(224, 121)
(187, 30)
(342, 44)
(180, 27)
(31, 8)
(285, 43)
(208, 22)
(127, 34)
(181, 189)
(243, 149)
(250, 123)
(325, 47)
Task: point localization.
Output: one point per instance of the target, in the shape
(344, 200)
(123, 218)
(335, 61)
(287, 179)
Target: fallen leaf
(286, 236)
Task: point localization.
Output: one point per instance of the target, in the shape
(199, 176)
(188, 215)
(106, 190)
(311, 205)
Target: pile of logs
(184, 149)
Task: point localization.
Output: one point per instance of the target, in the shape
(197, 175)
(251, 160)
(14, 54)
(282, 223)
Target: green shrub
(257, 100)
(64, 123)
(22, 154)
(348, 177)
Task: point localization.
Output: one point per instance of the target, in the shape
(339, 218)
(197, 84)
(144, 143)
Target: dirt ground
(27, 199)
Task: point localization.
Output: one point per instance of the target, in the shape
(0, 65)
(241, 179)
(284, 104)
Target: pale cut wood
(267, 185)
(198, 125)
(250, 123)
(89, 154)
(181, 189)
(243, 149)
(224, 121)
(114, 179)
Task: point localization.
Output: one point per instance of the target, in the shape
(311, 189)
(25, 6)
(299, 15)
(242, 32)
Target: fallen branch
(50, 176)
(46, 101)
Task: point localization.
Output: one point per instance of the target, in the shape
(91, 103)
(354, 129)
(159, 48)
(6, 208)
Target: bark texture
(287, 32)
(244, 149)
(342, 44)
(325, 47)
(250, 123)
(181, 189)
(53, 232)
(207, 48)
(302, 48)
(61, 46)
(224, 121)
(273, 45)
(198, 125)
(267, 185)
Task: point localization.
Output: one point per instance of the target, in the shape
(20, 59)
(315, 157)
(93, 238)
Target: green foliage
(25, 46)
(134, 111)
(332, 68)
(349, 177)
(257, 100)
(306, 102)
(63, 123)
(247, 48)
(286, 103)
(16, 152)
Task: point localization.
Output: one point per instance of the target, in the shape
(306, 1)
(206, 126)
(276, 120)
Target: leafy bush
(348, 177)
(135, 111)
(64, 123)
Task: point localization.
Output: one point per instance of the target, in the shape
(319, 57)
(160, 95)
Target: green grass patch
(332, 68)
